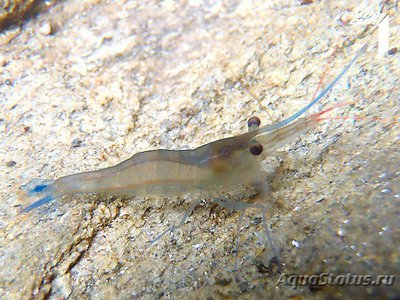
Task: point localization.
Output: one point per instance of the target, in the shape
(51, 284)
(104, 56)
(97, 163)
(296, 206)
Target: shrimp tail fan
(38, 187)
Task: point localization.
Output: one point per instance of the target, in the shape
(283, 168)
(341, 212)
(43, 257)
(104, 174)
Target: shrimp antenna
(319, 97)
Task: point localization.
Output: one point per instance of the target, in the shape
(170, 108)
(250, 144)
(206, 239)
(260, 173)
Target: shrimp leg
(242, 207)
(239, 222)
(183, 220)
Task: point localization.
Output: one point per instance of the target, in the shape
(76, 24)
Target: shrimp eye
(253, 122)
(256, 148)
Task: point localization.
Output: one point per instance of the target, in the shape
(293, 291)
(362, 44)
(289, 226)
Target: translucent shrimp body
(216, 166)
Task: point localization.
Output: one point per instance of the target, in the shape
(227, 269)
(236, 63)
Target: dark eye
(256, 148)
(253, 122)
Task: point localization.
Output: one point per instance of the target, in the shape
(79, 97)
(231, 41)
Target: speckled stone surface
(16, 12)
(89, 83)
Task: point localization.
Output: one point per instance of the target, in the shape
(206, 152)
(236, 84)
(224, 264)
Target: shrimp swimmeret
(212, 167)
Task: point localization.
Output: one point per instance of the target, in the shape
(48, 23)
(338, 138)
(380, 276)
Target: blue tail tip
(36, 204)
(39, 188)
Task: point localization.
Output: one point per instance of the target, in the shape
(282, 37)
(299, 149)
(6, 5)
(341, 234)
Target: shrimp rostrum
(219, 165)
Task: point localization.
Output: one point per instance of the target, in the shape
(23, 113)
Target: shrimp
(216, 166)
